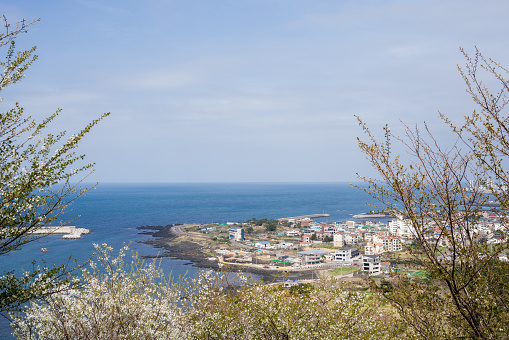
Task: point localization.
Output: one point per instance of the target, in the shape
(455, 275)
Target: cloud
(162, 80)
(258, 79)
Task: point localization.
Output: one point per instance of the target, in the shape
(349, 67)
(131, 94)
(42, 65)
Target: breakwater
(69, 232)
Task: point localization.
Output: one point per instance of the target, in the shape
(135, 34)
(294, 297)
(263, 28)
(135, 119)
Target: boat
(44, 250)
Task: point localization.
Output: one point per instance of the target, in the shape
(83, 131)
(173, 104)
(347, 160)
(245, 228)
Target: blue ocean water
(114, 211)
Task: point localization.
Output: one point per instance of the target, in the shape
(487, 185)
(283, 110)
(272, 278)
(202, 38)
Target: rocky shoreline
(164, 238)
(195, 252)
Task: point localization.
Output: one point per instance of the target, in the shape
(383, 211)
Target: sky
(247, 90)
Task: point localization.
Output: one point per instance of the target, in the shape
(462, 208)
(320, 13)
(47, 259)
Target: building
(351, 224)
(264, 245)
(351, 238)
(338, 240)
(373, 248)
(284, 245)
(345, 254)
(312, 256)
(311, 259)
(293, 233)
(304, 223)
(400, 227)
(391, 243)
(290, 283)
(371, 264)
(237, 234)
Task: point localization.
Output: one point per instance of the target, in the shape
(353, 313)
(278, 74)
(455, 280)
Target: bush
(135, 301)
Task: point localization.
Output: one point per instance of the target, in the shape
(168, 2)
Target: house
(385, 266)
(290, 283)
(345, 254)
(264, 245)
(371, 264)
(304, 223)
(284, 245)
(293, 233)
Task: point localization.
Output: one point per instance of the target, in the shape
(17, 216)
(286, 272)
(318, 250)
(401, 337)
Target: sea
(114, 212)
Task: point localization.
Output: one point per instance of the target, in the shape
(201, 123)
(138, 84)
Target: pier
(69, 232)
(304, 217)
(369, 215)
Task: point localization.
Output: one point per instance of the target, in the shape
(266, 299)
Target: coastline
(178, 247)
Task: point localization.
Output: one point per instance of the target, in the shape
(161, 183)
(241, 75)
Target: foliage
(302, 288)
(286, 224)
(36, 170)
(440, 193)
(116, 301)
(270, 225)
(266, 312)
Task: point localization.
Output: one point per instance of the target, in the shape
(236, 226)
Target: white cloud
(162, 80)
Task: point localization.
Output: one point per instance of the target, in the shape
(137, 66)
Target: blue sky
(247, 91)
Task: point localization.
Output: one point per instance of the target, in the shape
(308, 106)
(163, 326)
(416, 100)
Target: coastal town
(371, 245)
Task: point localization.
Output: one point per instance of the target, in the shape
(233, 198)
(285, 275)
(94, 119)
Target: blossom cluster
(119, 300)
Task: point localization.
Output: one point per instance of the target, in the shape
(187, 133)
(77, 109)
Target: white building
(237, 234)
(392, 243)
(352, 238)
(293, 232)
(264, 245)
(284, 245)
(373, 248)
(371, 264)
(338, 240)
(400, 227)
(345, 254)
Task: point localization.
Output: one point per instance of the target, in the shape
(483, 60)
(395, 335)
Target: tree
(441, 193)
(116, 300)
(36, 170)
(271, 225)
(120, 301)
